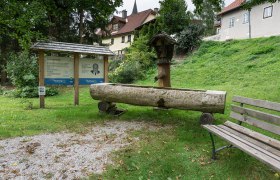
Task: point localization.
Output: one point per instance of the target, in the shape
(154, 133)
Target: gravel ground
(66, 155)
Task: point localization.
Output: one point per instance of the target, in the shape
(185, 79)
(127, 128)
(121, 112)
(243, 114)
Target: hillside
(182, 150)
(242, 67)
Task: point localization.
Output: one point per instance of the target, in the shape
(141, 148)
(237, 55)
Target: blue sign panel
(88, 81)
(70, 81)
(59, 81)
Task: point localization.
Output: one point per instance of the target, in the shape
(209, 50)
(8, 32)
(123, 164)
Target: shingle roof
(70, 47)
(119, 18)
(133, 21)
(234, 5)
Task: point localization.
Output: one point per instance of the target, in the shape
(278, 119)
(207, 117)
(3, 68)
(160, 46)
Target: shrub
(1, 91)
(139, 58)
(22, 69)
(189, 38)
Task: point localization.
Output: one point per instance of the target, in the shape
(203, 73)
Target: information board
(60, 71)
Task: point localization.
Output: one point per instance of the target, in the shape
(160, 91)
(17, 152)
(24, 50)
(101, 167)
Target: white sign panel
(59, 70)
(42, 90)
(91, 71)
(59, 67)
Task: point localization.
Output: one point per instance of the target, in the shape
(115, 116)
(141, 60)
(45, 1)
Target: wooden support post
(76, 78)
(106, 68)
(41, 77)
(164, 75)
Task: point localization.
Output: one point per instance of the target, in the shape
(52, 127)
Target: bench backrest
(258, 118)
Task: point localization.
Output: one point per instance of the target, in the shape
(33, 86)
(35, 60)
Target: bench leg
(213, 147)
(214, 150)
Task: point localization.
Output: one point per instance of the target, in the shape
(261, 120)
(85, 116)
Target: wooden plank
(268, 140)
(246, 148)
(41, 77)
(271, 118)
(106, 69)
(254, 122)
(249, 143)
(252, 140)
(76, 78)
(257, 102)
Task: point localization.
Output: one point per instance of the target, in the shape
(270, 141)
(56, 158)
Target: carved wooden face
(161, 51)
(164, 50)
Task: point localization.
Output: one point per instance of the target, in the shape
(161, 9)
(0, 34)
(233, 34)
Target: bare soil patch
(66, 155)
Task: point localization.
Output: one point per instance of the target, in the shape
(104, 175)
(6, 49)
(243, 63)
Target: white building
(237, 23)
(122, 29)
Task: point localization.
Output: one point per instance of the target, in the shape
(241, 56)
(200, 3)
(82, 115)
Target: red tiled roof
(234, 5)
(119, 18)
(133, 21)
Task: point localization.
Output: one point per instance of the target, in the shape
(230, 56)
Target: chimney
(156, 10)
(124, 14)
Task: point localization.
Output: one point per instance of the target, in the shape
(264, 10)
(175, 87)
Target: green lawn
(249, 68)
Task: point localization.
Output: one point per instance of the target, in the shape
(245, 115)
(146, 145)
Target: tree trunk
(3, 64)
(198, 100)
(81, 25)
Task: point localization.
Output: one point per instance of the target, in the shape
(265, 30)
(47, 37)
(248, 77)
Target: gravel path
(65, 155)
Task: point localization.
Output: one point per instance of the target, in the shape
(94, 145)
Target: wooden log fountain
(198, 100)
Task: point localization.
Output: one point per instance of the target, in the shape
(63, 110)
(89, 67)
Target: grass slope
(249, 67)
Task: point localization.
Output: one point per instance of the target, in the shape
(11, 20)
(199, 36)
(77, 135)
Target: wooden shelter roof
(71, 47)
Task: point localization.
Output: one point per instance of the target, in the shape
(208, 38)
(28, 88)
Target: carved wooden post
(164, 46)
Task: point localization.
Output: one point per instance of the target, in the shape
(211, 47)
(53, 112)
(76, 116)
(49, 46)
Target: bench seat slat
(245, 147)
(270, 151)
(268, 140)
(257, 114)
(257, 102)
(254, 122)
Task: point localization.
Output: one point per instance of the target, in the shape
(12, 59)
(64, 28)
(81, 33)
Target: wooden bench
(256, 144)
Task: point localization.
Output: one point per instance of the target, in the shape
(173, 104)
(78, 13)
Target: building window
(129, 38)
(267, 12)
(120, 52)
(246, 18)
(115, 27)
(231, 22)
(112, 41)
(123, 39)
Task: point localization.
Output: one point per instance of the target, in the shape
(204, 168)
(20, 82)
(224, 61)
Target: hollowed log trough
(205, 101)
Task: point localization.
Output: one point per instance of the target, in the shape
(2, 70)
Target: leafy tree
(207, 16)
(189, 38)
(18, 21)
(23, 22)
(216, 4)
(173, 15)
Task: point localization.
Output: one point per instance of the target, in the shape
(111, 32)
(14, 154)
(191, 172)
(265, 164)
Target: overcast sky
(151, 4)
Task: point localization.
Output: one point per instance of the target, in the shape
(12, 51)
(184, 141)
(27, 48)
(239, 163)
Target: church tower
(135, 10)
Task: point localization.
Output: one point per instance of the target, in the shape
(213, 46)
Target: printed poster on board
(91, 71)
